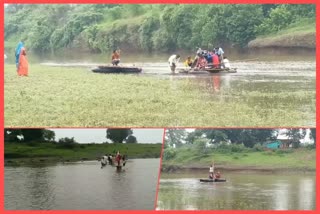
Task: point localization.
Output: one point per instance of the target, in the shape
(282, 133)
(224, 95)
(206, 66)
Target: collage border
(317, 3)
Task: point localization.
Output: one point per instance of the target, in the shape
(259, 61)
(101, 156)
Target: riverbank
(277, 161)
(22, 153)
(301, 35)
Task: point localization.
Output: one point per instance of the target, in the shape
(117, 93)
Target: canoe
(220, 70)
(116, 69)
(213, 180)
(206, 71)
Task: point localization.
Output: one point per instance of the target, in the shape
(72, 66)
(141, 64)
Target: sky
(89, 135)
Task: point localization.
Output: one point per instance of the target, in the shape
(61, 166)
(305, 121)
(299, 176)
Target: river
(264, 80)
(82, 186)
(242, 191)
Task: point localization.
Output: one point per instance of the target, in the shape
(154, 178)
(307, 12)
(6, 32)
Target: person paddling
(211, 171)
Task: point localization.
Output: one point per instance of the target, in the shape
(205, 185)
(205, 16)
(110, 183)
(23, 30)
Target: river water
(82, 186)
(267, 80)
(241, 192)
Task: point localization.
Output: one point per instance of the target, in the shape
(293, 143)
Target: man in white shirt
(173, 61)
(226, 63)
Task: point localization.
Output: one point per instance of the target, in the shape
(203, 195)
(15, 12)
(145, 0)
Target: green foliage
(146, 27)
(258, 147)
(201, 146)
(68, 143)
(118, 135)
(131, 139)
(169, 153)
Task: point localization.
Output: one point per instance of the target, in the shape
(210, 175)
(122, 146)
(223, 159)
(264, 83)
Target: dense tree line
(45, 135)
(101, 28)
(246, 137)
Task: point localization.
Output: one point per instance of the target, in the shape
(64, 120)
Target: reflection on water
(240, 192)
(82, 186)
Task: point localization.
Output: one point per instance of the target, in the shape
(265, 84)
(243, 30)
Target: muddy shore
(230, 168)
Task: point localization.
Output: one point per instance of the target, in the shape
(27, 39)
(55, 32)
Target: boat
(109, 69)
(212, 180)
(221, 70)
(196, 71)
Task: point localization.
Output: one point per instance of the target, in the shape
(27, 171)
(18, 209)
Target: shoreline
(172, 169)
(53, 160)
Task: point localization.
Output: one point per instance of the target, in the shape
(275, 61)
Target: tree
(295, 135)
(66, 142)
(131, 139)
(11, 135)
(175, 136)
(118, 135)
(313, 134)
(48, 135)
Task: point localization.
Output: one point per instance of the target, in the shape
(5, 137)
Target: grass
(302, 26)
(298, 34)
(80, 151)
(77, 97)
(295, 158)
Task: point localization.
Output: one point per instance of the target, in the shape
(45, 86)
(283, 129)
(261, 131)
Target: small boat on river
(196, 71)
(109, 69)
(213, 180)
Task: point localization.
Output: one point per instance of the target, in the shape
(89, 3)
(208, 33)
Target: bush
(169, 153)
(66, 142)
(258, 148)
(201, 146)
(283, 151)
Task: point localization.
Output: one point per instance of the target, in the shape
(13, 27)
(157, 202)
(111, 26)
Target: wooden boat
(196, 71)
(108, 69)
(213, 180)
(221, 70)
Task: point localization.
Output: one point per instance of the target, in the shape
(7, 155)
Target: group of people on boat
(204, 59)
(212, 173)
(212, 59)
(118, 159)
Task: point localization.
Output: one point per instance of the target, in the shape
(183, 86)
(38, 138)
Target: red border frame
(157, 2)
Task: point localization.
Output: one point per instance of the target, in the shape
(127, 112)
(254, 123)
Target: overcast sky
(99, 135)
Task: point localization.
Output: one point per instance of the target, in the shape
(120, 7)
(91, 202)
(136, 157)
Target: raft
(196, 71)
(109, 69)
(213, 180)
(220, 70)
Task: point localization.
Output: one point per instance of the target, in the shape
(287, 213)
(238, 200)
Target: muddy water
(240, 192)
(82, 186)
(263, 80)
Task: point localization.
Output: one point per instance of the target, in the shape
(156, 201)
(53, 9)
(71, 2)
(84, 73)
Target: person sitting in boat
(208, 57)
(173, 61)
(215, 61)
(115, 58)
(217, 175)
(188, 62)
(226, 63)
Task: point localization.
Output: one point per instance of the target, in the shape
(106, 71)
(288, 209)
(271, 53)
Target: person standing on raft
(115, 58)
(173, 61)
(21, 60)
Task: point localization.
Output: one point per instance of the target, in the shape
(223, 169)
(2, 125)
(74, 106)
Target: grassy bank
(77, 97)
(23, 152)
(271, 160)
(298, 35)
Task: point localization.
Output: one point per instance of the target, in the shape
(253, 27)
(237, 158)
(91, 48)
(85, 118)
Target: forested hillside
(149, 28)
